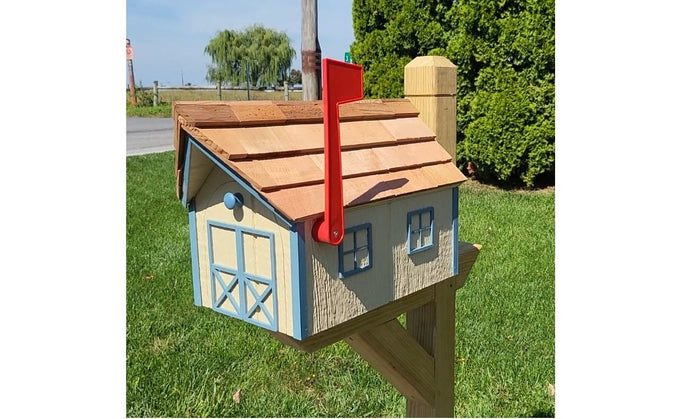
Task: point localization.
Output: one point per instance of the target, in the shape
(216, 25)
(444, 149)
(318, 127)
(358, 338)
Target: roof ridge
(230, 114)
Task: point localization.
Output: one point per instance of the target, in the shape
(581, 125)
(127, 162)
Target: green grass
(167, 97)
(164, 110)
(184, 360)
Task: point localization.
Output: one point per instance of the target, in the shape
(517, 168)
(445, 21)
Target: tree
(295, 77)
(505, 53)
(256, 55)
(389, 34)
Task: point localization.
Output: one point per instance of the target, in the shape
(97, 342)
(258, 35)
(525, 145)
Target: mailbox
(255, 179)
(324, 221)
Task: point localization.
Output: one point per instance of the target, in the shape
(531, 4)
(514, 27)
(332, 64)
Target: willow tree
(256, 56)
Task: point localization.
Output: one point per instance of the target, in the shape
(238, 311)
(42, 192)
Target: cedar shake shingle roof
(277, 147)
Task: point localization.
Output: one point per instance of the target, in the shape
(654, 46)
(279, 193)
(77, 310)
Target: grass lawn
(184, 360)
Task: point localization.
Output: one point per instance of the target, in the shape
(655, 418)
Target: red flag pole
(342, 83)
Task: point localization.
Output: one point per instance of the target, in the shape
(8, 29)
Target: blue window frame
(420, 230)
(354, 253)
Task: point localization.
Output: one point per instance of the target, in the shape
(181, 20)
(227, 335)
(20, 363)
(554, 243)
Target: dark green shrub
(144, 97)
(505, 53)
(509, 131)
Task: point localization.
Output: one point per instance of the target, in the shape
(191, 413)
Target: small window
(420, 230)
(354, 253)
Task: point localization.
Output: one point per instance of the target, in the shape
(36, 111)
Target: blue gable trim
(454, 214)
(185, 173)
(300, 325)
(237, 178)
(193, 240)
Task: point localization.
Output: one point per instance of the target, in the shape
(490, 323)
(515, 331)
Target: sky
(168, 37)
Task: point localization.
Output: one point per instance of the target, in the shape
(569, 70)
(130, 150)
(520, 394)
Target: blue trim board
(193, 240)
(300, 323)
(237, 178)
(185, 172)
(454, 215)
(243, 279)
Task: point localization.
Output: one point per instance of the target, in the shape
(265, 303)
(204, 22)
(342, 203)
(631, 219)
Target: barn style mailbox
(320, 220)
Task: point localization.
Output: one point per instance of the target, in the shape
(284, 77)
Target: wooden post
(218, 88)
(285, 88)
(155, 93)
(311, 52)
(431, 85)
(433, 327)
(130, 67)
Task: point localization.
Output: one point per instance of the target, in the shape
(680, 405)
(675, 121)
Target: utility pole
(311, 52)
(130, 65)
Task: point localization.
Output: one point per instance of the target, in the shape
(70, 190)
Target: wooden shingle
(277, 147)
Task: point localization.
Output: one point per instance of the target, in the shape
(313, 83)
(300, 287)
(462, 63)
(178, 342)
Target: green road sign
(348, 59)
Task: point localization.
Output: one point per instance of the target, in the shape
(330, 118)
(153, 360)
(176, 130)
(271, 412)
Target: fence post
(155, 93)
(285, 87)
(218, 88)
(431, 86)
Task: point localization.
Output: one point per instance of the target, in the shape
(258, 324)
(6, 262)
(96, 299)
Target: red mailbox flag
(342, 83)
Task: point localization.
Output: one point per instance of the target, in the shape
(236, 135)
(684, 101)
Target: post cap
(430, 75)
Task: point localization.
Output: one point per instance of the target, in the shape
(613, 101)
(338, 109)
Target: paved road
(149, 135)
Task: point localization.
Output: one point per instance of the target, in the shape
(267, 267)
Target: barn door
(243, 279)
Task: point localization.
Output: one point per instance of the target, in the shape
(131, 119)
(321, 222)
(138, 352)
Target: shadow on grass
(543, 414)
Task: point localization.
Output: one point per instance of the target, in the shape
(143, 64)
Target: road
(149, 135)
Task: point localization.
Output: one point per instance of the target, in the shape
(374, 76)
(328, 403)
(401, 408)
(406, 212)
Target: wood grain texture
(387, 157)
(433, 327)
(391, 351)
(430, 75)
(305, 202)
(431, 86)
(308, 169)
(237, 114)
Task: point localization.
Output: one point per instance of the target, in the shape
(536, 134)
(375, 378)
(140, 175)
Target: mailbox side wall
(394, 273)
(260, 229)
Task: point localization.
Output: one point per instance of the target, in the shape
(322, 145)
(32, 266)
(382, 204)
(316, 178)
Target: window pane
(426, 219)
(414, 241)
(426, 237)
(414, 222)
(362, 260)
(361, 237)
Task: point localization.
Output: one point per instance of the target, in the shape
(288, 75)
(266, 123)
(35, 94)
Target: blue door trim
(243, 279)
